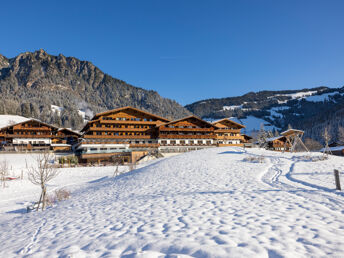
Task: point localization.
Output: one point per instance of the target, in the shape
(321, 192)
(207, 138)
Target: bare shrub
(50, 199)
(117, 161)
(310, 158)
(132, 166)
(62, 194)
(41, 174)
(255, 159)
(3, 172)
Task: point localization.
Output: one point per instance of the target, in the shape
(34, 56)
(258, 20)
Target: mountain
(308, 109)
(36, 84)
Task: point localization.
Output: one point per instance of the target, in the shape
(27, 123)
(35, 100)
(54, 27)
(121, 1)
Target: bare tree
(340, 135)
(3, 172)
(327, 138)
(313, 145)
(41, 174)
(117, 161)
(262, 136)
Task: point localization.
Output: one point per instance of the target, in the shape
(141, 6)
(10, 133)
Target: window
(173, 142)
(200, 142)
(164, 142)
(191, 142)
(208, 142)
(182, 142)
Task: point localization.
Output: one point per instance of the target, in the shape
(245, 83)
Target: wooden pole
(336, 178)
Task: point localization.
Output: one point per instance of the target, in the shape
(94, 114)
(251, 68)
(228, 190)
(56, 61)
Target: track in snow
(279, 175)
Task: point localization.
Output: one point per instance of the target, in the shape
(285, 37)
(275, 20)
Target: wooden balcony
(168, 129)
(178, 136)
(223, 137)
(117, 137)
(106, 129)
(226, 145)
(148, 145)
(28, 136)
(128, 122)
(227, 131)
(21, 128)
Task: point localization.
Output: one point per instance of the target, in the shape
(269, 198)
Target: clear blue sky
(189, 50)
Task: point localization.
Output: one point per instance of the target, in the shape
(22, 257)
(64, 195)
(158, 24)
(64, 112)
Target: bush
(57, 196)
(62, 194)
(254, 159)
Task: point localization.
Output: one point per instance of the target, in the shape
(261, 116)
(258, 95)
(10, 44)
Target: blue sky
(189, 50)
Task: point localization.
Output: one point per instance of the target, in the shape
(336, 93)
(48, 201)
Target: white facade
(187, 141)
(24, 141)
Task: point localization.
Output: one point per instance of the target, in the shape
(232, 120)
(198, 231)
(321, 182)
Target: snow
(207, 203)
(298, 95)
(231, 107)
(337, 148)
(322, 97)
(57, 109)
(6, 120)
(275, 111)
(253, 124)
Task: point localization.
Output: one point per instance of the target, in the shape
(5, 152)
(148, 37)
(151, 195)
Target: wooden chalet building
(228, 133)
(189, 133)
(278, 143)
(126, 131)
(64, 139)
(31, 134)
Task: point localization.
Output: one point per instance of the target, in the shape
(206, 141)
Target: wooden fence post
(336, 177)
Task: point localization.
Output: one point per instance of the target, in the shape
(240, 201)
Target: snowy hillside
(277, 109)
(209, 203)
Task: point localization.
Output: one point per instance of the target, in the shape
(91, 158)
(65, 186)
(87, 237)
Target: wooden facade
(64, 139)
(126, 132)
(278, 143)
(120, 130)
(228, 133)
(189, 132)
(28, 135)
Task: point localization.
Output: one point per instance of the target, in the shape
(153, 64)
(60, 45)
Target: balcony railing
(28, 136)
(186, 136)
(117, 136)
(107, 129)
(173, 129)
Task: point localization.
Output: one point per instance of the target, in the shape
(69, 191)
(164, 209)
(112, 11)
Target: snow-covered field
(208, 203)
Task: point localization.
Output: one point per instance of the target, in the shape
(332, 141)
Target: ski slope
(208, 203)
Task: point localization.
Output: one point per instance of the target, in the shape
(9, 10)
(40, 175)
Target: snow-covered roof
(289, 131)
(7, 120)
(337, 148)
(274, 138)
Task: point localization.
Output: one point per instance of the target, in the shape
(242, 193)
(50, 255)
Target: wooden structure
(293, 137)
(188, 133)
(116, 131)
(228, 133)
(64, 139)
(28, 135)
(278, 143)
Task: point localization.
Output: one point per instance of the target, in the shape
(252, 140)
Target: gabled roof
(291, 131)
(274, 138)
(31, 119)
(70, 130)
(228, 120)
(132, 108)
(188, 117)
(247, 136)
(7, 120)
